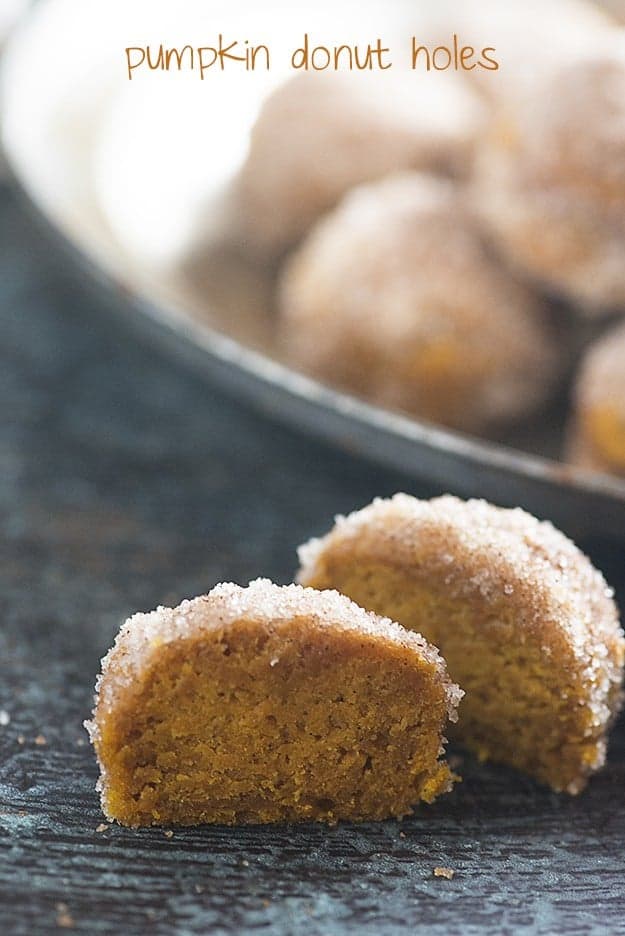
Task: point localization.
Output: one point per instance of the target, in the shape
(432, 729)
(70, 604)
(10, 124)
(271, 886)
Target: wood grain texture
(124, 483)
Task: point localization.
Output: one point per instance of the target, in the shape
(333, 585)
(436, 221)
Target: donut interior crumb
(268, 704)
(527, 626)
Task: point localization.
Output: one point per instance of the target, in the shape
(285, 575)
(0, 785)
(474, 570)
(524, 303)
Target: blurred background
(483, 307)
(448, 247)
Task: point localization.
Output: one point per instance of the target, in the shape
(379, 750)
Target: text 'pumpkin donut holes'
(526, 625)
(267, 704)
(550, 178)
(597, 427)
(394, 297)
(320, 134)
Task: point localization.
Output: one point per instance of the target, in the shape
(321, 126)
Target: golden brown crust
(503, 565)
(601, 377)
(597, 426)
(291, 723)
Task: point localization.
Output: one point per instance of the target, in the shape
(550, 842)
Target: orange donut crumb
(527, 626)
(267, 704)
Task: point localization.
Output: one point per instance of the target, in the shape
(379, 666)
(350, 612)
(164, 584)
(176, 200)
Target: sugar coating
(320, 134)
(497, 552)
(271, 606)
(551, 176)
(395, 297)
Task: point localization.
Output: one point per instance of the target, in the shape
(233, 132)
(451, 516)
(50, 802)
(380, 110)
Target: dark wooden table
(124, 483)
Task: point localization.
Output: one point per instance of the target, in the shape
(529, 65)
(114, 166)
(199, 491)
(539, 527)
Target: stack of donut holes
(452, 244)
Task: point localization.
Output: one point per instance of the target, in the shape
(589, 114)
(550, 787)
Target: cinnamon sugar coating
(394, 297)
(266, 704)
(526, 624)
(551, 177)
